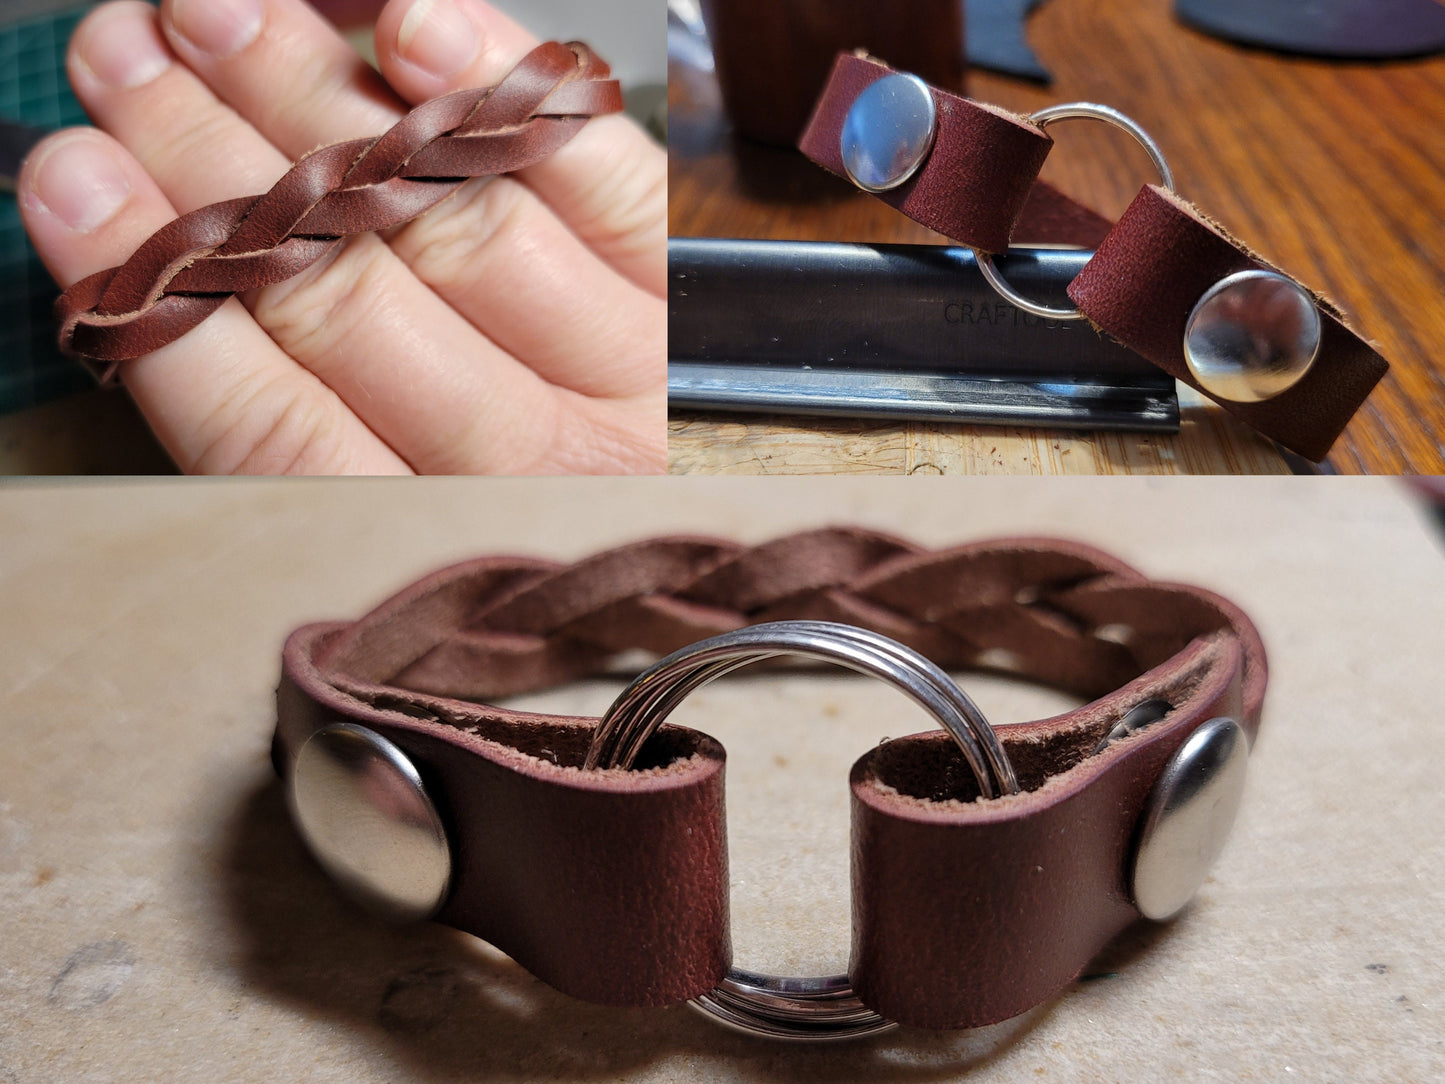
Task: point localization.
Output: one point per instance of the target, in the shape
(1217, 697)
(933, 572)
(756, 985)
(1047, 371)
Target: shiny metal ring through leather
(808, 1009)
(1043, 118)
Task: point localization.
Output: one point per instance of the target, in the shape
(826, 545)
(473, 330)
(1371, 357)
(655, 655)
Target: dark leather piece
(972, 187)
(950, 894)
(1148, 274)
(1361, 29)
(612, 885)
(1149, 269)
(773, 58)
(188, 268)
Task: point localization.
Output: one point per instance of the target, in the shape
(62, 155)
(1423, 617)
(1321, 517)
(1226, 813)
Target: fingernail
(123, 48)
(219, 27)
(437, 37)
(81, 182)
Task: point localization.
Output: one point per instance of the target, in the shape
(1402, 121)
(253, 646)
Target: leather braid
(499, 626)
(188, 268)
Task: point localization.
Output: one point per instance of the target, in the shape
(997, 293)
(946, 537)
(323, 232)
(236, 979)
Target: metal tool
(946, 397)
(895, 331)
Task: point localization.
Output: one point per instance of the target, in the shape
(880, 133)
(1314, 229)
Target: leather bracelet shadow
(449, 1005)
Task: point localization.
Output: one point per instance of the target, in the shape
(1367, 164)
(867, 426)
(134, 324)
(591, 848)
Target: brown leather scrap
(188, 268)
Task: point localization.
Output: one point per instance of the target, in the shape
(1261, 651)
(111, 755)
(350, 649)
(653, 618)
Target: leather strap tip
(103, 371)
(1147, 276)
(974, 183)
(107, 374)
(1052, 862)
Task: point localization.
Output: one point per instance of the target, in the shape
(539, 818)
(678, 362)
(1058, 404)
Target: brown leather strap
(1144, 281)
(188, 269)
(966, 913)
(612, 885)
(973, 185)
(1150, 270)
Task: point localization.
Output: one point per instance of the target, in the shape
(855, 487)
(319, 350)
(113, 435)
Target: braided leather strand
(190, 267)
(501, 626)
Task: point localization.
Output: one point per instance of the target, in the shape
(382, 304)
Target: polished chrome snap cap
(1251, 336)
(888, 132)
(1188, 816)
(361, 807)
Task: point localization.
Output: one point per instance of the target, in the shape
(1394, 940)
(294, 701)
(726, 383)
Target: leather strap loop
(1144, 281)
(612, 885)
(188, 268)
(973, 185)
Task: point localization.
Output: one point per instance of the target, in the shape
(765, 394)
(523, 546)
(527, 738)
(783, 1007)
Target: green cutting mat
(33, 90)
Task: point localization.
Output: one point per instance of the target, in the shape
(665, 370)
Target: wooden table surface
(1334, 171)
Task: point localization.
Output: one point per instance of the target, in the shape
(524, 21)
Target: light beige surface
(160, 921)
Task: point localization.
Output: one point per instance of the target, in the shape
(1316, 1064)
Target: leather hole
(1116, 633)
(998, 658)
(1028, 594)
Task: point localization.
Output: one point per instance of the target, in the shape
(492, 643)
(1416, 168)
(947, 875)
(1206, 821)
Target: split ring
(809, 1009)
(1043, 118)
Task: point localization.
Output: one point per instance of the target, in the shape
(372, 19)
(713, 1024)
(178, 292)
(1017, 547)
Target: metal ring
(1043, 118)
(809, 1009)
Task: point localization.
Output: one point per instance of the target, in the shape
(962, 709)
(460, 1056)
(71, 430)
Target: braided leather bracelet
(989, 865)
(188, 268)
(1166, 281)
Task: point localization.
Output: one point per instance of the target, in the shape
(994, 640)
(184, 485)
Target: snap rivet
(1253, 335)
(362, 810)
(1188, 816)
(1134, 720)
(888, 132)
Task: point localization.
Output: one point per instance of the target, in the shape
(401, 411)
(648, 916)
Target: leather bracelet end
(973, 185)
(1151, 270)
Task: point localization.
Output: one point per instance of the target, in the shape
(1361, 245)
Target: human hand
(517, 327)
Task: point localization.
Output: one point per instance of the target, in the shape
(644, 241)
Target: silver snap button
(361, 808)
(1188, 816)
(888, 132)
(1253, 335)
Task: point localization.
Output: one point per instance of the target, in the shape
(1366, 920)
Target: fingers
(283, 68)
(132, 85)
(414, 371)
(497, 256)
(609, 184)
(223, 399)
(412, 367)
(505, 263)
(421, 376)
